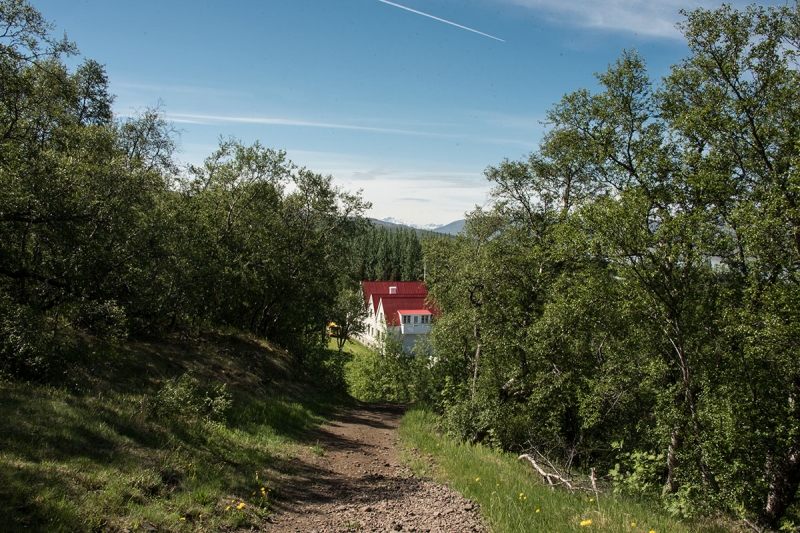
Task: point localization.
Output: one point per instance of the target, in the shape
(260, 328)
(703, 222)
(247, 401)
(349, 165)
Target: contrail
(442, 20)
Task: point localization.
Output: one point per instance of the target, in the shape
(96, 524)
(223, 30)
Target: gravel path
(351, 480)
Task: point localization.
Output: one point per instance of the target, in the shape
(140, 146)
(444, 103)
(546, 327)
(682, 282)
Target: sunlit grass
(352, 347)
(512, 498)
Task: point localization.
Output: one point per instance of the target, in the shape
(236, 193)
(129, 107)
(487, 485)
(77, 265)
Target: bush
(380, 375)
(28, 344)
(185, 400)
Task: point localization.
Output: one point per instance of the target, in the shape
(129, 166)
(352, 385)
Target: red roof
(379, 289)
(409, 297)
(392, 304)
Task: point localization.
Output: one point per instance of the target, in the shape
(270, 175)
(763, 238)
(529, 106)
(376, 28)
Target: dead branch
(550, 478)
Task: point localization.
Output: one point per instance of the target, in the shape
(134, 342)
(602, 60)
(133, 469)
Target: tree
(349, 313)
(76, 212)
(642, 269)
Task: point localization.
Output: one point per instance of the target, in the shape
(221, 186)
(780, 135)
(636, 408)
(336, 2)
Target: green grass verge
(514, 500)
(93, 457)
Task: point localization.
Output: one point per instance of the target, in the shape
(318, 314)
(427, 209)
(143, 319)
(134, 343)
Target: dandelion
(591, 500)
(183, 519)
(633, 524)
(537, 510)
(240, 506)
(477, 479)
(585, 523)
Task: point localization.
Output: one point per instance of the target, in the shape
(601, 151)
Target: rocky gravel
(350, 479)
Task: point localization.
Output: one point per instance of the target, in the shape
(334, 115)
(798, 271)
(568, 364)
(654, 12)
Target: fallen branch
(546, 475)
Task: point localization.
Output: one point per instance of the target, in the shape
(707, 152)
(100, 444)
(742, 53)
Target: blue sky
(406, 107)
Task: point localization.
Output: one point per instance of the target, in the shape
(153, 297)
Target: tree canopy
(630, 302)
(101, 232)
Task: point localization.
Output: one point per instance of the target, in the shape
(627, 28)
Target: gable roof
(380, 289)
(392, 304)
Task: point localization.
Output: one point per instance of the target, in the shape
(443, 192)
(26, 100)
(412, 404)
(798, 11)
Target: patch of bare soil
(350, 479)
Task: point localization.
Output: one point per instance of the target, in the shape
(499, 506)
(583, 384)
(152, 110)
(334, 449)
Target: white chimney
(392, 290)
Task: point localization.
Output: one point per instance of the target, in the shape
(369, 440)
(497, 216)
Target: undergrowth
(168, 436)
(512, 498)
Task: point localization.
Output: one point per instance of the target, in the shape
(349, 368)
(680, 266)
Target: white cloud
(415, 191)
(646, 17)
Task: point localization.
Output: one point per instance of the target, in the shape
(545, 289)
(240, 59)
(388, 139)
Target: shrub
(184, 399)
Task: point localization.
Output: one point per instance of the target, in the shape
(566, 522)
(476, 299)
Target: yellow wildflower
(633, 524)
(240, 506)
(477, 479)
(228, 508)
(586, 523)
(537, 510)
(183, 519)
(591, 500)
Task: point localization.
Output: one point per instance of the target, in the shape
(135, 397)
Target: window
(416, 319)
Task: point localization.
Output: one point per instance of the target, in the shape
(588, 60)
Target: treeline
(631, 302)
(382, 254)
(102, 234)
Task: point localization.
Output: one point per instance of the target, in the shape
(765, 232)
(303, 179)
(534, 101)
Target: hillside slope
(163, 435)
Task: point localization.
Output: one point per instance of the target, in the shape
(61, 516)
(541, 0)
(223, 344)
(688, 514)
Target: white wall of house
(375, 325)
(413, 325)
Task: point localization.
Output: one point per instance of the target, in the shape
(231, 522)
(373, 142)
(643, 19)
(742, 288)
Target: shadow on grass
(95, 460)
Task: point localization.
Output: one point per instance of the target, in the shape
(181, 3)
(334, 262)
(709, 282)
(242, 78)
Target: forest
(628, 304)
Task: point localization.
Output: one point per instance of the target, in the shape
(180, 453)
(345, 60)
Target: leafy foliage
(635, 281)
(183, 399)
(101, 232)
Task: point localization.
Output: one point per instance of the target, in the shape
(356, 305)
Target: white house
(397, 308)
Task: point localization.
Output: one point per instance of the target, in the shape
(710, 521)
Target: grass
(352, 347)
(514, 500)
(91, 456)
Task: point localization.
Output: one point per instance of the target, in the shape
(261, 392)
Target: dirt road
(350, 479)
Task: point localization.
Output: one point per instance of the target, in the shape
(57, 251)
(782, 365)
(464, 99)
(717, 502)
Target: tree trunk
(671, 486)
(784, 482)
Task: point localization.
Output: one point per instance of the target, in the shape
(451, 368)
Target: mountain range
(453, 228)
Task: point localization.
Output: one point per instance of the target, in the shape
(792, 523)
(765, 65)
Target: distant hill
(452, 228)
